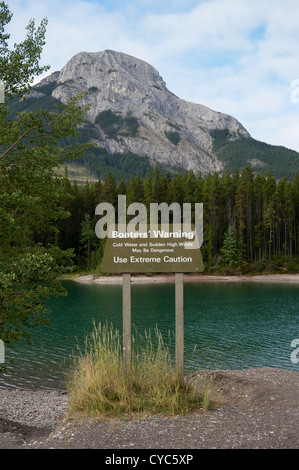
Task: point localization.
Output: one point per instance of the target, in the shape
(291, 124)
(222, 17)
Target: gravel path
(257, 408)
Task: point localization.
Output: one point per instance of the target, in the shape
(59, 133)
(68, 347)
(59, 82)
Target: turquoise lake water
(230, 325)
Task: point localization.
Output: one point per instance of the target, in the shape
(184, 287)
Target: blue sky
(239, 57)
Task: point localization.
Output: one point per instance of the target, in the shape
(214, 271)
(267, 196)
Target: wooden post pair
(179, 323)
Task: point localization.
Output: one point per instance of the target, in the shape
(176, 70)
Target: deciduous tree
(31, 193)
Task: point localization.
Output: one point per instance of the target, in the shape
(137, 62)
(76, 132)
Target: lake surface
(230, 325)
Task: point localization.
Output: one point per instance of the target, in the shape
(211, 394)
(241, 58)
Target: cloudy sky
(239, 57)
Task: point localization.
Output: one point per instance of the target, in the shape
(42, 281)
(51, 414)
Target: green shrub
(174, 137)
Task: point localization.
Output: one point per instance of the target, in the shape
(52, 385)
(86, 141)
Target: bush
(293, 267)
(174, 137)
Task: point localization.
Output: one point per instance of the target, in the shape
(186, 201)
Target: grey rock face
(124, 84)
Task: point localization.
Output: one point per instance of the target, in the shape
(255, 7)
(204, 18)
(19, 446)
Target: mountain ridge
(123, 84)
(133, 112)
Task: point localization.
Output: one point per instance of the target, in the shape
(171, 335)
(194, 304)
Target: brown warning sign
(152, 251)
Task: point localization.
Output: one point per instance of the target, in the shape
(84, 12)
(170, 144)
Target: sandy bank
(160, 279)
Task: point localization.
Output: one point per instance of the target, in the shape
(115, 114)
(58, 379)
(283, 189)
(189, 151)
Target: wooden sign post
(127, 334)
(152, 255)
(179, 325)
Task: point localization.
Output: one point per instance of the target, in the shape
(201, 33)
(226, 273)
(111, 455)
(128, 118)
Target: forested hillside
(238, 153)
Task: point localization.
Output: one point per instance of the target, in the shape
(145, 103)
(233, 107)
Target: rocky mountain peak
(93, 65)
(170, 130)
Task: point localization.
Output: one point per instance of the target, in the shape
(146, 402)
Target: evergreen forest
(251, 221)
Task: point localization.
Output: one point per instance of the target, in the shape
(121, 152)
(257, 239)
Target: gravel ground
(29, 414)
(256, 409)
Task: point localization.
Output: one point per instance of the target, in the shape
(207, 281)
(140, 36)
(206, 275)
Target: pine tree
(109, 192)
(230, 250)
(88, 238)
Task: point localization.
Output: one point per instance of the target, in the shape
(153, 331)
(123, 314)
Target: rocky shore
(254, 409)
(162, 278)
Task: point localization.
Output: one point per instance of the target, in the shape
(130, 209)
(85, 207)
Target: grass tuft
(99, 383)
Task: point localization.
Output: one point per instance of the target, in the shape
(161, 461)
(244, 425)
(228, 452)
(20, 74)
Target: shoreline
(169, 278)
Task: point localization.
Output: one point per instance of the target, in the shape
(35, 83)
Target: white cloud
(236, 56)
(212, 26)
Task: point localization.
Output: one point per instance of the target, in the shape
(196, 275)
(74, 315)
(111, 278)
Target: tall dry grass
(99, 382)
